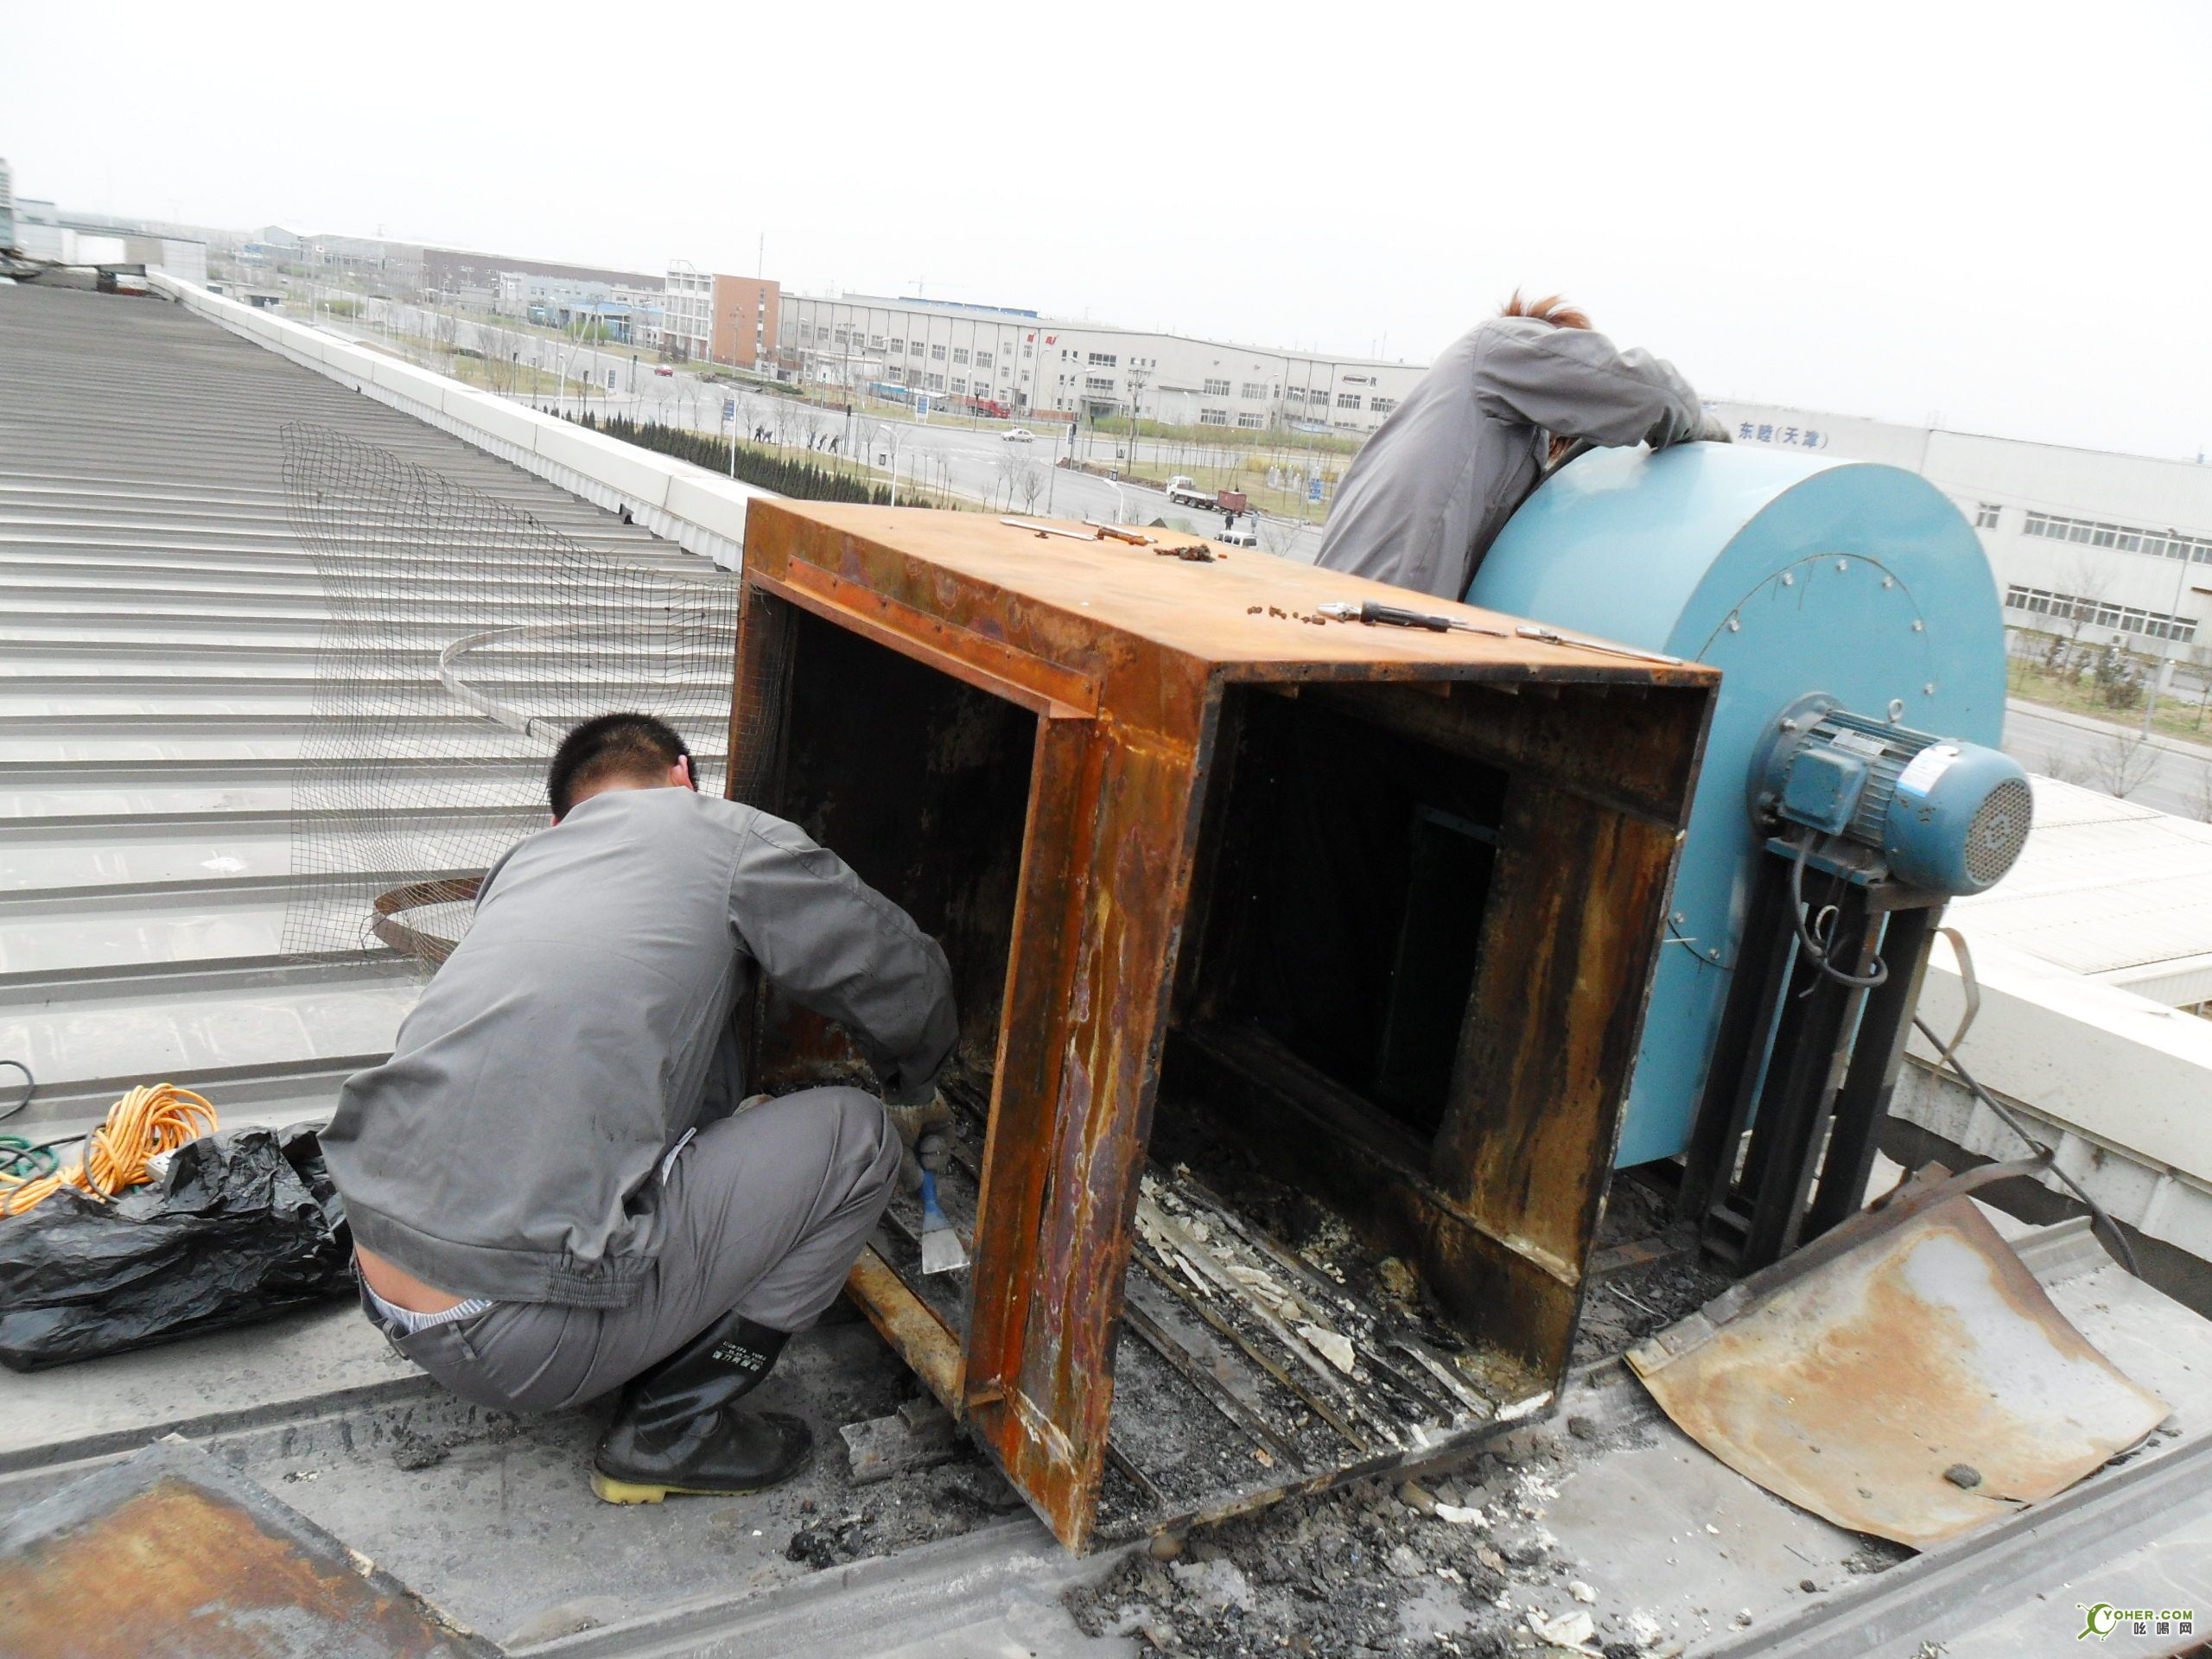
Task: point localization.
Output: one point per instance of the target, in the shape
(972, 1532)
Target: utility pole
(2165, 658)
(1138, 377)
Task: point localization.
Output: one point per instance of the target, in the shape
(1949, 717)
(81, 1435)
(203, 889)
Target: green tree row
(793, 476)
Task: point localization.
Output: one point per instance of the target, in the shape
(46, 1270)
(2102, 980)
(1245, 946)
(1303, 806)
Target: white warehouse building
(2124, 542)
(2120, 544)
(1045, 368)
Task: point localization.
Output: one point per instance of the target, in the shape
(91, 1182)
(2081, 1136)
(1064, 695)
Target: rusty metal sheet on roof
(1916, 1385)
(167, 1552)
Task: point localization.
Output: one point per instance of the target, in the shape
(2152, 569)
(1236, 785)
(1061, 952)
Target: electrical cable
(30, 1088)
(19, 1155)
(1814, 950)
(151, 1120)
(2100, 1221)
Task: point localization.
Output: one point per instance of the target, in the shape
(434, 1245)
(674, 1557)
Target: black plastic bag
(240, 1226)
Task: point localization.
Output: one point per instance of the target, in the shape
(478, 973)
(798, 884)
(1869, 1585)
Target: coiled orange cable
(152, 1119)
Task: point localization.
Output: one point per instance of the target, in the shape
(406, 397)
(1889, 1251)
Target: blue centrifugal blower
(1852, 613)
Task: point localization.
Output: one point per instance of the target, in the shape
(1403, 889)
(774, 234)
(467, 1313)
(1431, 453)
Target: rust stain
(1850, 1390)
(177, 1569)
(908, 1326)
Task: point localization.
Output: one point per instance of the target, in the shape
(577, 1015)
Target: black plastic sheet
(240, 1226)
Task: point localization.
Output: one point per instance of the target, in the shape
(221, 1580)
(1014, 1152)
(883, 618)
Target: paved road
(2057, 746)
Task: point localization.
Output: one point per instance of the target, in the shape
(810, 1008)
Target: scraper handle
(1397, 617)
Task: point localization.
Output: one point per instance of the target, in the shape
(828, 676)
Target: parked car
(663, 368)
(1019, 434)
(1243, 534)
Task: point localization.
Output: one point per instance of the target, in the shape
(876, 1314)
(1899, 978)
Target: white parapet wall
(687, 505)
(2121, 1086)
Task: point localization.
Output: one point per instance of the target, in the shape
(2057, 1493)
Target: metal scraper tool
(942, 1251)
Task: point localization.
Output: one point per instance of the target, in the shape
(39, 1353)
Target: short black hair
(606, 746)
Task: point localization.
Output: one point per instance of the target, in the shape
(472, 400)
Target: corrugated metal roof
(2107, 889)
(158, 626)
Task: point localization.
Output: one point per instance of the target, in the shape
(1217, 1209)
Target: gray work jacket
(510, 1147)
(1422, 501)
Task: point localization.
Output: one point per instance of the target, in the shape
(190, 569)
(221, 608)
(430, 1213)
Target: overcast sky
(1994, 215)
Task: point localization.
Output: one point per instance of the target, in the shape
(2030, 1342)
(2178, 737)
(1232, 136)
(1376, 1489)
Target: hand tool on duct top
(1393, 616)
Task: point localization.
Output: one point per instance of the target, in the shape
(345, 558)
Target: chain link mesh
(464, 639)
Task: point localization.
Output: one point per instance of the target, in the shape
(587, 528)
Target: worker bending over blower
(553, 1188)
(1426, 495)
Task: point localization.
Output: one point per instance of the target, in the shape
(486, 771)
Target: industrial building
(1052, 367)
(150, 743)
(714, 317)
(453, 270)
(41, 231)
(365, 258)
(2084, 542)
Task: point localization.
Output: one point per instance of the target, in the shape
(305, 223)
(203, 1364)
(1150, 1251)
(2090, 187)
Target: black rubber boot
(676, 1430)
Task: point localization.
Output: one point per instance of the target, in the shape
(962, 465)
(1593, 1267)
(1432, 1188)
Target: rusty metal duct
(1301, 963)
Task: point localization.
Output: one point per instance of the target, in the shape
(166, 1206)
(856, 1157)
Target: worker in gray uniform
(555, 1185)
(1425, 496)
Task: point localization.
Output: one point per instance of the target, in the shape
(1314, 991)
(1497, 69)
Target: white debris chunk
(1580, 1591)
(1520, 1408)
(1460, 1516)
(1217, 1585)
(1332, 1346)
(1567, 1630)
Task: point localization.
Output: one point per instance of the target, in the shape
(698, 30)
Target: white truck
(1184, 493)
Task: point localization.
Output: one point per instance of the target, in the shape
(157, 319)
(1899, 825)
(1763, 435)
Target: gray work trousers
(765, 1213)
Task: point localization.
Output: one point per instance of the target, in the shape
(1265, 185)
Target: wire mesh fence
(464, 638)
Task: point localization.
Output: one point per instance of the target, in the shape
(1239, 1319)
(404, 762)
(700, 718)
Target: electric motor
(1947, 816)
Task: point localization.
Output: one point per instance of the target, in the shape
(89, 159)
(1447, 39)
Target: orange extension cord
(150, 1120)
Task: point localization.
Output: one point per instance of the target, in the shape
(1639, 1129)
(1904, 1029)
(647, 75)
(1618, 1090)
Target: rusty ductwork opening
(1301, 971)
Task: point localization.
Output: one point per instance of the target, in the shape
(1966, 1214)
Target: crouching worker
(552, 1188)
